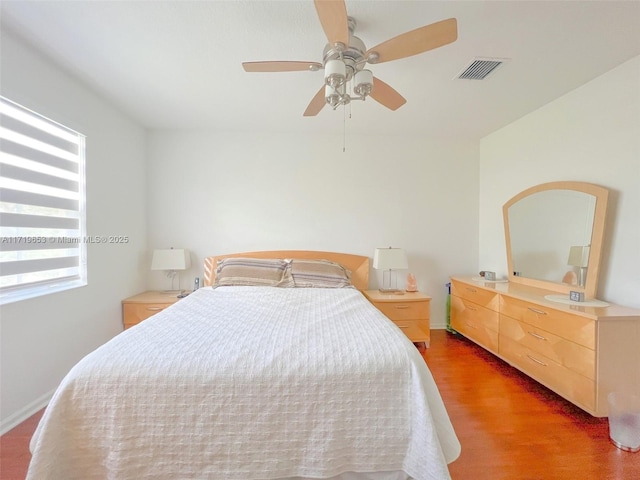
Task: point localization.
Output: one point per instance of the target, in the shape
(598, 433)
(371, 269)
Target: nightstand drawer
(404, 310)
(144, 305)
(410, 312)
(137, 313)
(414, 329)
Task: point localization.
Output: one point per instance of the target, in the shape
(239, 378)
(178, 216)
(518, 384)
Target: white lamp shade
(171, 259)
(578, 256)
(335, 73)
(390, 259)
(364, 77)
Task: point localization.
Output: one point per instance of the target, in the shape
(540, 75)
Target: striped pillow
(253, 272)
(320, 274)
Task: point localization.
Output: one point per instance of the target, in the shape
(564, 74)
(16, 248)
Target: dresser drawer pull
(472, 290)
(401, 307)
(535, 335)
(473, 309)
(471, 325)
(539, 312)
(155, 309)
(536, 360)
(403, 326)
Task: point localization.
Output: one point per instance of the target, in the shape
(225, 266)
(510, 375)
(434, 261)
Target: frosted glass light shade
(363, 83)
(335, 73)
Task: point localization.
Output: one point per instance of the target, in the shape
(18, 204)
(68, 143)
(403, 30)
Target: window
(42, 205)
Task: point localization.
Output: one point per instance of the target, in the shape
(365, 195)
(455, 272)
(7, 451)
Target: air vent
(480, 68)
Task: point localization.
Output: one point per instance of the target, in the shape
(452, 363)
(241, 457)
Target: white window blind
(42, 205)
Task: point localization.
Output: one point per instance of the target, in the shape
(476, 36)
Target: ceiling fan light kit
(363, 83)
(345, 56)
(336, 96)
(335, 73)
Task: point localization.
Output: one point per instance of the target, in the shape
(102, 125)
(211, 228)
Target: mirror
(554, 236)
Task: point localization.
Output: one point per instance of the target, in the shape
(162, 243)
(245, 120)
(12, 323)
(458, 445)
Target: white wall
(591, 134)
(217, 193)
(42, 338)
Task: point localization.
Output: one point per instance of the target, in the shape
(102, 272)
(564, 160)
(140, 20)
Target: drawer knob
(471, 325)
(540, 362)
(535, 335)
(403, 326)
(535, 310)
(472, 290)
(473, 309)
(154, 309)
(401, 307)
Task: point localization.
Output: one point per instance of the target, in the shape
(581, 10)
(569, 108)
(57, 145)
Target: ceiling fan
(345, 57)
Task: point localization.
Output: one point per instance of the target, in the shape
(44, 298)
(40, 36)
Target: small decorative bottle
(412, 285)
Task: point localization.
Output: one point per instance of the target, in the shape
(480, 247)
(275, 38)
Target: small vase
(412, 285)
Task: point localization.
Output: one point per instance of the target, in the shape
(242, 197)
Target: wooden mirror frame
(591, 283)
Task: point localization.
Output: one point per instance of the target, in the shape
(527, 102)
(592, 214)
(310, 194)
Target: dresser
(409, 311)
(142, 306)
(582, 353)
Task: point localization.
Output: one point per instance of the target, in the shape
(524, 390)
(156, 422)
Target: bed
(278, 368)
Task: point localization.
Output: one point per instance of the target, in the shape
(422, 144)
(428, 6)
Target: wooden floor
(510, 427)
(14, 449)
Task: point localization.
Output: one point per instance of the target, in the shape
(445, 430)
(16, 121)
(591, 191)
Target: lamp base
(393, 291)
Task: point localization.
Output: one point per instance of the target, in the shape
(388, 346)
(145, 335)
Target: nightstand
(142, 306)
(409, 311)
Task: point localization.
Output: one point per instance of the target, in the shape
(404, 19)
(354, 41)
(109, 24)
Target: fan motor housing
(353, 55)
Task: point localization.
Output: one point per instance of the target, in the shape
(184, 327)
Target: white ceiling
(177, 64)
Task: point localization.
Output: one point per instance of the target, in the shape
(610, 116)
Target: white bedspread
(248, 383)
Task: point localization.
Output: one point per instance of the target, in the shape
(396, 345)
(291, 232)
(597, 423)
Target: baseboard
(21, 415)
(438, 326)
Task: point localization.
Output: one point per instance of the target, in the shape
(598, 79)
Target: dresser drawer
(479, 296)
(475, 322)
(578, 329)
(416, 330)
(571, 385)
(575, 357)
(134, 313)
(404, 310)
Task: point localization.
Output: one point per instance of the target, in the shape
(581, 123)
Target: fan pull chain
(344, 129)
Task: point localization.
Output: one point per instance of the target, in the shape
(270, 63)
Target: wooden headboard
(357, 264)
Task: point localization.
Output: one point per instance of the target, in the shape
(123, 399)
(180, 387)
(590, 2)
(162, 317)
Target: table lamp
(387, 260)
(579, 257)
(171, 260)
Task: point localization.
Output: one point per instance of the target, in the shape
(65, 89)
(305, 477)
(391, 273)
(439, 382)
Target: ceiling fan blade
(333, 18)
(386, 95)
(416, 41)
(281, 66)
(317, 102)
